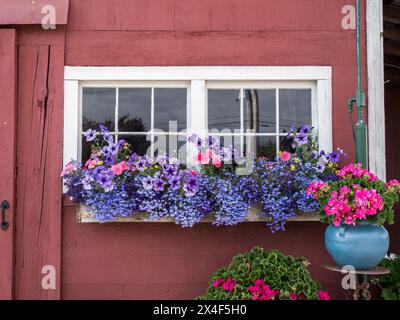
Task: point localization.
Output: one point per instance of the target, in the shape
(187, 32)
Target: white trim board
(198, 73)
(376, 95)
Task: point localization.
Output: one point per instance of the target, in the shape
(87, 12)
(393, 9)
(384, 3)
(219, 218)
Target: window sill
(84, 215)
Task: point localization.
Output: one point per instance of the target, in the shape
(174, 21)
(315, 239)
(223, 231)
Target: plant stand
(363, 281)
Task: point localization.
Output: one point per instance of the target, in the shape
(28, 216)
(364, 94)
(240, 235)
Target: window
(155, 108)
(139, 113)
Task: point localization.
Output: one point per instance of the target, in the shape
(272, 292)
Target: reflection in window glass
(294, 108)
(170, 105)
(223, 109)
(98, 106)
(86, 151)
(139, 143)
(172, 145)
(134, 110)
(261, 146)
(259, 110)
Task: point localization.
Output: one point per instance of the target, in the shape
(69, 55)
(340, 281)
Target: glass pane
(98, 106)
(173, 145)
(294, 108)
(134, 110)
(170, 105)
(266, 147)
(138, 143)
(259, 110)
(223, 109)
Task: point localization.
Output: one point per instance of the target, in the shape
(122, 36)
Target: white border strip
(376, 95)
(197, 73)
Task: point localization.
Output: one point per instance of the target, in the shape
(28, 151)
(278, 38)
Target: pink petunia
(119, 168)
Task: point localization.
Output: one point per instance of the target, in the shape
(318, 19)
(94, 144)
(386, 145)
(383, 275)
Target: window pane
(138, 143)
(98, 106)
(294, 108)
(86, 151)
(170, 105)
(260, 145)
(229, 141)
(266, 147)
(259, 110)
(173, 145)
(134, 109)
(223, 109)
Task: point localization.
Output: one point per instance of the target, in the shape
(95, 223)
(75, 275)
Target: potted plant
(356, 206)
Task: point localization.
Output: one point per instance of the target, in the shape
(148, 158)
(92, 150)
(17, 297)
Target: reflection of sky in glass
(223, 109)
(170, 105)
(134, 109)
(266, 110)
(294, 108)
(98, 106)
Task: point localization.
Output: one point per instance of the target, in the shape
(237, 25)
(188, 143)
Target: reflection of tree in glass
(93, 124)
(128, 124)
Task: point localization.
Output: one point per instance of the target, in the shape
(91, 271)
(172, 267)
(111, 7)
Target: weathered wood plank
(8, 100)
(38, 235)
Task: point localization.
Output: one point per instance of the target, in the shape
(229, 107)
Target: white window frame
(319, 78)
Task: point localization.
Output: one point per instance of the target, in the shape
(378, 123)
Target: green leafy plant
(390, 283)
(264, 275)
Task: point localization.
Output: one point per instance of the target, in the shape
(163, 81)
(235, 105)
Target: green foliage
(284, 273)
(390, 283)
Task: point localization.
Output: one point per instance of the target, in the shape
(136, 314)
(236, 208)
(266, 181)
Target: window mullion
(277, 122)
(116, 112)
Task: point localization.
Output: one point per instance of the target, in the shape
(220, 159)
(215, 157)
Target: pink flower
(69, 167)
(90, 163)
(119, 168)
(194, 173)
(285, 156)
(293, 296)
(323, 295)
(217, 282)
(202, 158)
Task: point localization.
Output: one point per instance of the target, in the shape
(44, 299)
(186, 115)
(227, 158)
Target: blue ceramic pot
(362, 246)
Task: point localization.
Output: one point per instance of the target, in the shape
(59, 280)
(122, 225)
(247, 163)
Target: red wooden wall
(148, 261)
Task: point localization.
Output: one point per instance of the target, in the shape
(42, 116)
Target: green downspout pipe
(360, 131)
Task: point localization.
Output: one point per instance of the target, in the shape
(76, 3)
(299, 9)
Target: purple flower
(105, 151)
(334, 157)
(305, 129)
(170, 171)
(132, 159)
(148, 183)
(314, 154)
(108, 137)
(158, 184)
(121, 143)
(109, 160)
(113, 148)
(192, 185)
(104, 179)
(301, 139)
(213, 142)
(90, 135)
(162, 159)
(174, 183)
(175, 161)
(142, 164)
(103, 128)
(320, 167)
(195, 139)
(86, 182)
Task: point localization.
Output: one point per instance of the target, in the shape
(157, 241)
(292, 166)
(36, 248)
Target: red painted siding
(132, 261)
(8, 121)
(145, 261)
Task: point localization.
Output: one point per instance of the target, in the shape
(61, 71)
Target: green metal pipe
(360, 131)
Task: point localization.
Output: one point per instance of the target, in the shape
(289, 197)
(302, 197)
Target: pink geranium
(323, 295)
(119, 168)
(69, 167)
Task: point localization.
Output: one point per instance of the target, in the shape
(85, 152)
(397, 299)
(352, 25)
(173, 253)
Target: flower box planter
(85, 215)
